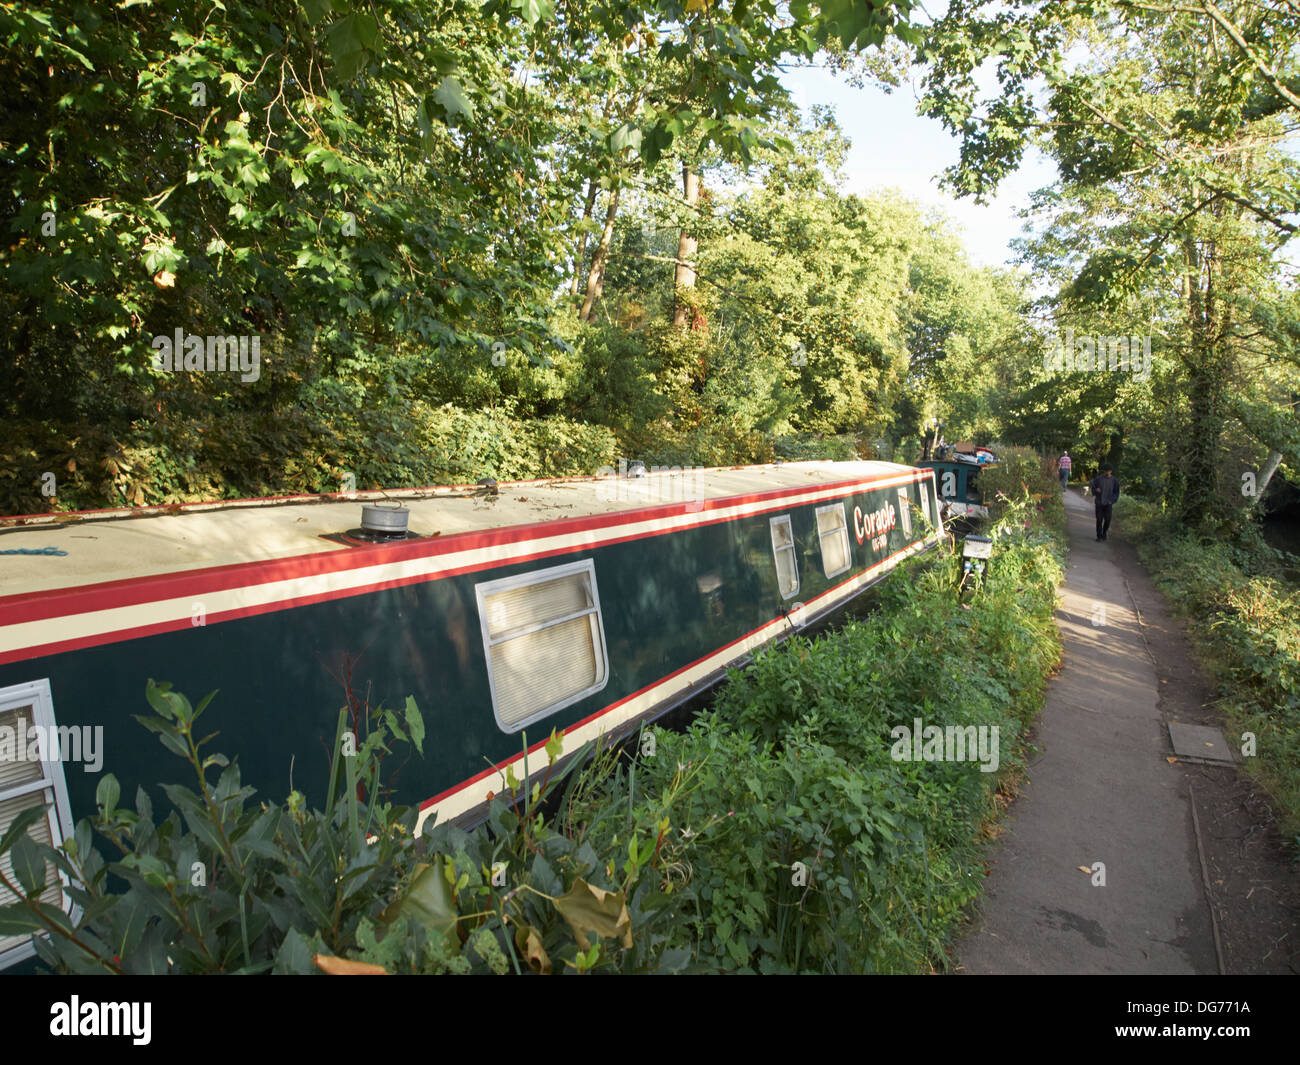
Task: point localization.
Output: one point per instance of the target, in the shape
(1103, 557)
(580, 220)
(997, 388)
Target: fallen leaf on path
(1170, 759)
(1083, 868)
(345, 967)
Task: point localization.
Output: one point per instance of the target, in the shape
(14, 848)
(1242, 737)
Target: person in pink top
(1063, 465)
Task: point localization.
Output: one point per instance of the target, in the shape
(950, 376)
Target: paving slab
(1097, 870)
(1200, 743)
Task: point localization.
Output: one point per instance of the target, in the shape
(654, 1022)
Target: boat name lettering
(873, 524)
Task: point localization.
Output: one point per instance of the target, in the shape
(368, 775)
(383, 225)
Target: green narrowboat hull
(684, 591)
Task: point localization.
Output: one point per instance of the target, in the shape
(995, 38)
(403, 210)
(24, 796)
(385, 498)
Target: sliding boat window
(905, 512)
(833, 531)
(27, 729)
(787, 566)
(545, 641)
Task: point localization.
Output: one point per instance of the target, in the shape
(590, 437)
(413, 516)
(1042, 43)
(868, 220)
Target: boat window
(833, 531)
(27, 729)
(787, 566)
(905, 512)
(545, 641)
(924, 503)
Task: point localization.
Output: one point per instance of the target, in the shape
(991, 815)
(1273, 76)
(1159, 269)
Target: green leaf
(18, 920)
(131, 918)
(367, 28)
(533, 11)
(167, 735)
(674, 960)
(296, 953)
(196, 815)
(29, 867)
(428, 901)
(453, 99)
(107, 794)
(344, 37)
(19, 825)
(315, 10)
(415, 723)
(627, 136)
(161, 698)
(149, 956)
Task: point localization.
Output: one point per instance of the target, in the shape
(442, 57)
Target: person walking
(1105, 492)
(1063, 465)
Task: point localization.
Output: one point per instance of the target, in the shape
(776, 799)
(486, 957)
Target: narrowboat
(585, 605)
(957, 478)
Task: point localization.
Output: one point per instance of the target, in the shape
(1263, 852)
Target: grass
(1244, 619)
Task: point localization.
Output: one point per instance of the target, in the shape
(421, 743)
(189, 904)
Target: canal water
(1283, 532)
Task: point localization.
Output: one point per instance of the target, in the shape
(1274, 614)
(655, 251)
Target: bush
(1022, 474)
(842, 448)
(224, 884)
(258, 454)
(794, 765)
(1245, 623)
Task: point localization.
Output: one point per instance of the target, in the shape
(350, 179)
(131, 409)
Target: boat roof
(118, 545)
(964, 461)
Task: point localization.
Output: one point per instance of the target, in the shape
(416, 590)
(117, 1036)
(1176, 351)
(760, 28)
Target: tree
(1166, 138)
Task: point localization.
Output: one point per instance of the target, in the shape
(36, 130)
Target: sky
(893, 147)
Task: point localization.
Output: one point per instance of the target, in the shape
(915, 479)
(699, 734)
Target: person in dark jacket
(1105, 491)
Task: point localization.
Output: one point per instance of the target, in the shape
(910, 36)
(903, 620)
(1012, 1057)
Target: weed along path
(1099, 869)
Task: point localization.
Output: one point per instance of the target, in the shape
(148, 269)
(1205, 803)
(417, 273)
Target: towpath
(1103, 790)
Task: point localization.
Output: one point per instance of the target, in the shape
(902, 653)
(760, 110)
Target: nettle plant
(227, 884)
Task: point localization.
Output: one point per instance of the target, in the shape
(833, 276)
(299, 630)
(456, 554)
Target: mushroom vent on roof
(390, 521)
(379, 525)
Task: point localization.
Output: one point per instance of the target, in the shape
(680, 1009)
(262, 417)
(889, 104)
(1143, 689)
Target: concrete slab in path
(1201, 743)
(1101, 791)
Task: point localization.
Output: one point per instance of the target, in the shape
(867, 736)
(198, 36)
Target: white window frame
(784, 519)
(905, 511)
(36, 694)
(924, 502)
(523, 580)
(844, 529)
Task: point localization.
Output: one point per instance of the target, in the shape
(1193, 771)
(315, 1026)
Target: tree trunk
(1266, 474)
(1205, 389)
(687, 247)
(580, 245)
(596, 275)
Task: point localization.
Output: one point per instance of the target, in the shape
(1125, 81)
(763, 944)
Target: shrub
(806, 446)
(1245, 622)
(224, 884)
(794, 765)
